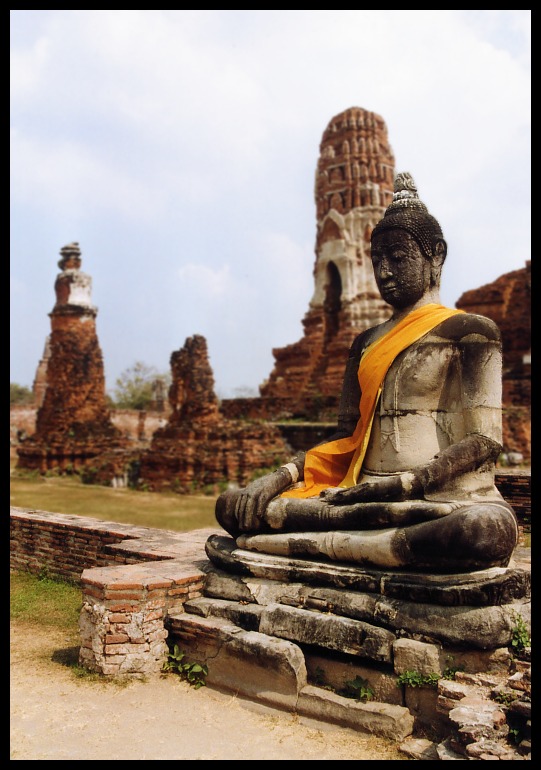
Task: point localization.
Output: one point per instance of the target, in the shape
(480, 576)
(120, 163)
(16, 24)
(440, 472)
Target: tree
(20, 394)
(135, 387)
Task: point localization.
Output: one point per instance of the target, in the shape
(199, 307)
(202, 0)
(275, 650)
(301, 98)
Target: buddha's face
(401, 269)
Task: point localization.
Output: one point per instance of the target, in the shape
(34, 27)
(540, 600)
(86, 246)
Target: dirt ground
(55, 715)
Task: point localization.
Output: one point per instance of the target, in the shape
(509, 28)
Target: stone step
(272, 671)
(479, 628)
(304, 626)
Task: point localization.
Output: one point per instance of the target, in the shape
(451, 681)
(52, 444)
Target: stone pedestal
(269, 627)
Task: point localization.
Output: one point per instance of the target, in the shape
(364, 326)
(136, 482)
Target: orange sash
(338, 463)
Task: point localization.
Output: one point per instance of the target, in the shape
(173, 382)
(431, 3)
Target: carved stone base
(277, 630)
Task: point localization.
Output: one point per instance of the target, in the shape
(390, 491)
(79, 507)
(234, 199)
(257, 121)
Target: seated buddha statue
(407, 479)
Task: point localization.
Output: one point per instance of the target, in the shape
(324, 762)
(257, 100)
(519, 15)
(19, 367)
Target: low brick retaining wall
(516, 489)
(130, 577)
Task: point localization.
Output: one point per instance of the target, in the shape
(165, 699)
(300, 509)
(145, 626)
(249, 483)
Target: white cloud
(26, 68)
(206, 283)
(67, 176)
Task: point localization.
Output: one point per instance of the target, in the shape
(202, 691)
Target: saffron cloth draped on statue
(338, 463)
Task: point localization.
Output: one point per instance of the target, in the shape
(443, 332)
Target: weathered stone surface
(325, 630)
(478, 627)
(360, 595)
(266, 669)
(491, 750)
(474, 713)
(246, 616)
(339, 672)
(419, 748)
(493, 586)
(411, 655)
(261, 591)
(308, 627)
(383, 719)
(445, 751)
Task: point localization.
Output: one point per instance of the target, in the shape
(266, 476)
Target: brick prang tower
(354, 185)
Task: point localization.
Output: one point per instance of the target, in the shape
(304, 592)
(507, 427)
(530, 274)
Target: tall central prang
(353, 186)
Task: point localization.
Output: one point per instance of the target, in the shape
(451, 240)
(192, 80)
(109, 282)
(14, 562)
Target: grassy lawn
(44, 602)
(37, 601)
(162, 510)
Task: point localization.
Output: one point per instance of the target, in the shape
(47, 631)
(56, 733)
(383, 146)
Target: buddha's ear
(439, 254)
(440, 251)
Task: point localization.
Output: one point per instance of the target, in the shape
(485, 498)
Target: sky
(179, 149)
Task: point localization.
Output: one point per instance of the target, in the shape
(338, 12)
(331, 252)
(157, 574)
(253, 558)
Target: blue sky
(179, 149)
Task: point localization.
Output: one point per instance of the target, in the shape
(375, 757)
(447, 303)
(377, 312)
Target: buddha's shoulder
(462, 326)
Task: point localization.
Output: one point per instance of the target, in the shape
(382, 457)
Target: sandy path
(54, 715)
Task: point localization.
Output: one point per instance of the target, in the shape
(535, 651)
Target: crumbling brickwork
(199, 448)
(73, 423)
(354, 185)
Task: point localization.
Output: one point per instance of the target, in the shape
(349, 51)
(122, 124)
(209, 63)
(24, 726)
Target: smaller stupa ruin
(199, 449)
(73, 424)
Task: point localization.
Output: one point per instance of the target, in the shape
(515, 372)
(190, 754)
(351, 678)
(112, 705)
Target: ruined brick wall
(75, 393)
(311, 408)
(199, 448)
(138, 426)
(40, 380)
(192, 399)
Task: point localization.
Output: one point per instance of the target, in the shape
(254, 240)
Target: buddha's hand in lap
(251, 502)
(404, 486)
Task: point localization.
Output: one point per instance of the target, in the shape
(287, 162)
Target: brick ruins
(199, 448)
(73, 424)
(354, 184)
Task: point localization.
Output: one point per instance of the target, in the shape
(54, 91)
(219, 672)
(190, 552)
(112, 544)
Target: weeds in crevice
(415, 679)
(193, 673)
(520, 635)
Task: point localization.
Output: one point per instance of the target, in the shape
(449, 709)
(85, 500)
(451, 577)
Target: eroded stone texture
(198, 447)
(354, 185)
(73, 423)
(507, 301)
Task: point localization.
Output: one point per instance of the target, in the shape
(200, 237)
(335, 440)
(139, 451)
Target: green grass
(53, 607)
(66, 494)
(44, 602)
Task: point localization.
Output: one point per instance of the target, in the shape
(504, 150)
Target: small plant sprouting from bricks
(520, 636)
(415, 679)
(450, 671)
(319, 679)
(193, 673)
(505, 697)
(358, 688)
